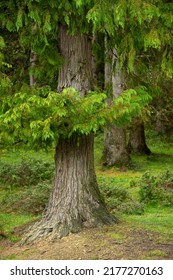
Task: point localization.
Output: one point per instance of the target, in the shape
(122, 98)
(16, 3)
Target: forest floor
(122, 241)
(138, 235)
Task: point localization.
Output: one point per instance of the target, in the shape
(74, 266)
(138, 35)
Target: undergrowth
(117, 198)
(138, 193)
(27, 172)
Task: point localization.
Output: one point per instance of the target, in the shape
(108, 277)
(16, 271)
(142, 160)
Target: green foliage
(142, 34)
(118, 199)
(10, 221)
(26, 185)
(2, 46)
(27, 200)
(2, 43)
(139, 30)
(28, 171)
(39, 116)
(156, 189)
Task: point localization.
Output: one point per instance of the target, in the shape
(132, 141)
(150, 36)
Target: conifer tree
(61, 35)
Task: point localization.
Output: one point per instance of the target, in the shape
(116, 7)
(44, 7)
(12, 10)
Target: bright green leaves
(2, 46)
(129, 104)
(152, 40)
(100, 15)
(138, 29)
(19, 21)
(5, 82)
(89, 114)
(127, 52)
(39, 117)
(167, 63)
(120, 13)
(2, 43)
(142, 11)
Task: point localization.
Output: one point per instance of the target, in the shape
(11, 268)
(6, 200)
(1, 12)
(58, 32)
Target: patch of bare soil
(108, 243)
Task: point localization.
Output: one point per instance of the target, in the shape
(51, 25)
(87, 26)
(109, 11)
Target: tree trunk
(115, 147)
(33, 59)
(115, 151)
(137, 141)
(75, 200)
(77, 70)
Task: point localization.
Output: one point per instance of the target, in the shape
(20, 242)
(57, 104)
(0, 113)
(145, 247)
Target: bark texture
(75, 200)
(115, 151)
(115, 147)
(137, 141)
(77, 70)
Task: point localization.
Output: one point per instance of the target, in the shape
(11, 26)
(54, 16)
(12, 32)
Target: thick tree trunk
(78, 70)
(75, 200)
(137, 141)
(115, 147)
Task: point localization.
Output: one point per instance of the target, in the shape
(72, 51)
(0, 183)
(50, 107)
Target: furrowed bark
(75, 200)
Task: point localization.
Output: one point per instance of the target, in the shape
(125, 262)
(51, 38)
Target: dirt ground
(108, 243)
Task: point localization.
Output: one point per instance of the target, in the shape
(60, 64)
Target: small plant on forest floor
(156, 189)
(27, 200)
(117, 236)
(28, 171)
(156, 253)
(119, 199)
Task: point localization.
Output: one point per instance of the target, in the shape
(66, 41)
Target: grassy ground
(154, 223)
(157, 217)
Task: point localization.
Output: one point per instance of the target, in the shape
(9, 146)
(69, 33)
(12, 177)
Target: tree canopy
(142, 34)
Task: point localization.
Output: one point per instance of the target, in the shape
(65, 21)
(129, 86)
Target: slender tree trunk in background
(160, 125)
(137, 141)
(115, 151)
(33, 59)
(75, 200)
(115, 147)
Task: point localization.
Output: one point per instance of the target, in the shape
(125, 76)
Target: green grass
(154, 254)
(117, 236)
(154, 218)
(9, 221)
(11, 257)
(15, 156)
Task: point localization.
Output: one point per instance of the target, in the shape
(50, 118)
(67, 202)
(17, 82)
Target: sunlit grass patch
(11, 257)
(155, 253)
(154, 219)
(9, 222)
(117, 236)
(15, 156)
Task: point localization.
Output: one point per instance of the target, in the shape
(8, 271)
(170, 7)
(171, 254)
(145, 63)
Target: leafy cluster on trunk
(39, 116)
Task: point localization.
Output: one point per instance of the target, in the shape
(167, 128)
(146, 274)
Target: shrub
(32, 199)
(156, 189)
(28, 172)
(119, 199)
